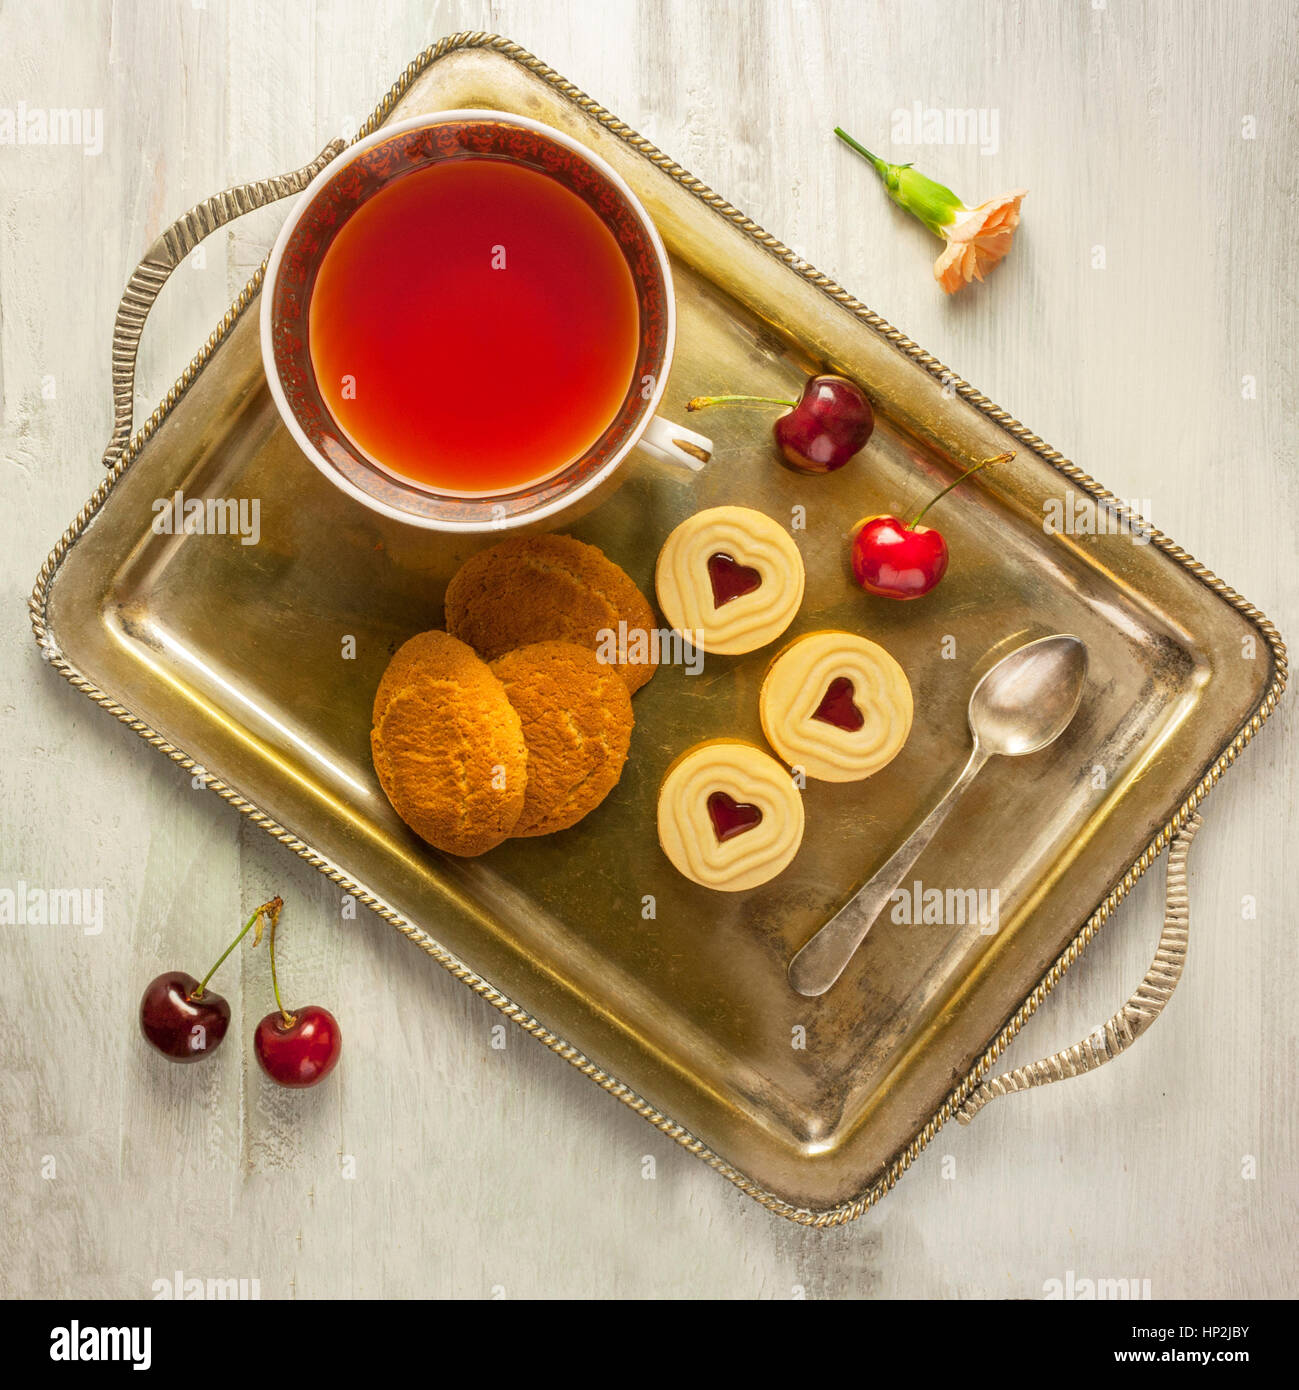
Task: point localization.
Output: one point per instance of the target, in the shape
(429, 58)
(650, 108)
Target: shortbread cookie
(551, 588)
(730, 580)
(729, 817)
(836, 705)
(577, 721)
(448, 746)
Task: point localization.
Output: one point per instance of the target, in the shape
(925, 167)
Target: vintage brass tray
(228, 658)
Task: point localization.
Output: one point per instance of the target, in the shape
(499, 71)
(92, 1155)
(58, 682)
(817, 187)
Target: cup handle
(675, 444)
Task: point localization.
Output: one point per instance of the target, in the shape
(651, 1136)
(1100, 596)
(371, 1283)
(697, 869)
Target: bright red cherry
(895, 560)
(296, 1049)
(829, 423)
(903, 560)
(300, 1049)
(181, 1026)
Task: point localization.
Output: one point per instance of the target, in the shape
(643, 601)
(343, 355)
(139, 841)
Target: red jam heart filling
(837, 706)
(730, 579)
(730, 817)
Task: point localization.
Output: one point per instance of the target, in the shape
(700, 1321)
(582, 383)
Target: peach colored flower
(977, 240)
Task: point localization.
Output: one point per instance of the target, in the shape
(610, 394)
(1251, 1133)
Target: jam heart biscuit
(730, 817)
(577, 722)
(549, 588)
(730, 579)
(836, 705)
(448, 746)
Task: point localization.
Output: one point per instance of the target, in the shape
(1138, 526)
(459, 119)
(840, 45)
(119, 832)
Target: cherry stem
(271, 907)
(289, 1019)
(701, 402)
(969, 472)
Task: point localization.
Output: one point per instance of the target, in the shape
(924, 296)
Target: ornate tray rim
(843, 1212)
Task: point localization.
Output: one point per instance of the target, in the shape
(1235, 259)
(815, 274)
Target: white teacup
(372, 164)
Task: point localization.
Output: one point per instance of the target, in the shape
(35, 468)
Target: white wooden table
(437, 1165)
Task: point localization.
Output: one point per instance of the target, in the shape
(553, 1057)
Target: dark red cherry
(831, 422)
(302, 1052)
(179, 1026)
(819, 432)
(838, 707)
(730, 817)
(895, 560)
(730, 579)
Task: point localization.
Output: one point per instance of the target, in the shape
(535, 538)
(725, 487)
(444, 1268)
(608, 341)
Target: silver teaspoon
(1023, 703)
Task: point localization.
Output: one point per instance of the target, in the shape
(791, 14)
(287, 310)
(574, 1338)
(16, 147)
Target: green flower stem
(881, 166)
(932, 203)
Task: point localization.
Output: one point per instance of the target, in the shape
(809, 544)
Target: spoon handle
(825, 957)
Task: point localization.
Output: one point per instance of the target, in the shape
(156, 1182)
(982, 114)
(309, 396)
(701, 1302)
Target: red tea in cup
(474, 326)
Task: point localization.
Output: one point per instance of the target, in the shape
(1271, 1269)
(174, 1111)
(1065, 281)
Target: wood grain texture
(438, 1164)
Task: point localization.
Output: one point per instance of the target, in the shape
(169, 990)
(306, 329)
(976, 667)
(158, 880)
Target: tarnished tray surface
(233, 654)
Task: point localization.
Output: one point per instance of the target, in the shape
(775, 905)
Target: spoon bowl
(1028, 698)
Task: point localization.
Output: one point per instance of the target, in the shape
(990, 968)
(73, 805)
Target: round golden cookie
(448, 746)
(577, 721)
(836, 705)
(730, 580)
(729, 817)
(552, 588)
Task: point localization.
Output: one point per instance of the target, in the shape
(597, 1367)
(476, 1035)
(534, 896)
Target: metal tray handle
(1141, 1010)
(166, 253)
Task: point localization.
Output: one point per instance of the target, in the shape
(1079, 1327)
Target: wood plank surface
(1145, 325)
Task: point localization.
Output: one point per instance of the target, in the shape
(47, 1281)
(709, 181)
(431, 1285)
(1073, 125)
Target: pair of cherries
(831, 422)
(187, 1022)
